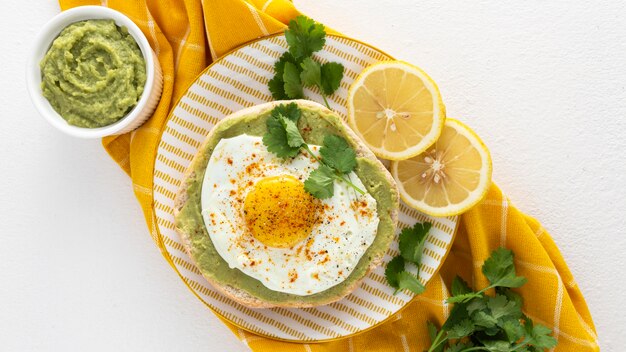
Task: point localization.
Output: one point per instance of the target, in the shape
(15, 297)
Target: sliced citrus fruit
(449, 177)
(396, 109)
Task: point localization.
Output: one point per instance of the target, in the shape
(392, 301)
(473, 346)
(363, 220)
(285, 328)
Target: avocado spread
(314, 125)
(93, 74)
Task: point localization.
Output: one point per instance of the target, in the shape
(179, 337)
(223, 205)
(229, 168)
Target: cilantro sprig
(297, 69)
(479, 322)
(337, 160)
(498, 269)
(411, 245)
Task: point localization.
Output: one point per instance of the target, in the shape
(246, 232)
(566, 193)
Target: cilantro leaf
(501, 307)
(459, 286)
(294, 138)
(291, 77)
(510, 295)
(412, 241)
(296, 68)
(513, 330)
(492, 323)
(461, 291)
(499, 269)
(432, 329)
(462, 298)
(277, 84)
(394, 267)
(276, 141)
(279, 66)
(338, 154)
(497, 345)
(477, 304)
(539, 335)
(311, 72)
(277, 88)
(482, 319)
(320, 182)
(457, 314)
(408, 281)
(332, 73)
(459, 347)
(461, 329)
(435, 338)
(305, 37)
(283, 138)
(290, 111)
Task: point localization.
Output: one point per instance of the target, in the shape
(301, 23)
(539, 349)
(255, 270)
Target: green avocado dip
(314, 125)
(93, 74)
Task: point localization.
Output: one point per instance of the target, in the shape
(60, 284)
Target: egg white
(344, 232)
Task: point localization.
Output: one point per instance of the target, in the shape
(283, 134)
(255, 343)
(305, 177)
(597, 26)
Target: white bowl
(154, 77)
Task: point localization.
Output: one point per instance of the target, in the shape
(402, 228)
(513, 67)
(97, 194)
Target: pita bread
(248, 298)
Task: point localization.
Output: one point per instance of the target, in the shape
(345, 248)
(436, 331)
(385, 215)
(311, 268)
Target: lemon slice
(448, 178)
(396, 109)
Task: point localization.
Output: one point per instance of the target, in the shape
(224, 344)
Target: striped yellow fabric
(187, 35)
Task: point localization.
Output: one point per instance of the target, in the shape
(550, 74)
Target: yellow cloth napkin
(187, 35)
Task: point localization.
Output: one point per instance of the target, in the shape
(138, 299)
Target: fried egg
(263, 222)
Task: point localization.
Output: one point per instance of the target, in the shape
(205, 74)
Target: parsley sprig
(297, 69)
(337, 160)
(479, 322)
(411, 245)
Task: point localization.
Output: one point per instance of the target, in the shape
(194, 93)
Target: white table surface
(542, 82)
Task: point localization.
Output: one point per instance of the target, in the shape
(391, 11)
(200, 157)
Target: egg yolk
(279, 212)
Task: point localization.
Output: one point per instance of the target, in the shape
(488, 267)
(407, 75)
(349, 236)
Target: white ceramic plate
(237, 81)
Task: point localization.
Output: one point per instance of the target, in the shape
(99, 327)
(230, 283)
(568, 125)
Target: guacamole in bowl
(93, 74)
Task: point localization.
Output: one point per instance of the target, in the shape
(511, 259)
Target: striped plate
(237, 81)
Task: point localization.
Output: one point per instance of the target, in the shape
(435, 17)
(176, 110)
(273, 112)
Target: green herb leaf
(458, 347)
(433, 333)
(513, 330)
(539, 336)
(408, 281)
(466, 297)
(296, 68)
(277, 84)
(279, 66)
(394, 267)
(277, 88)
(497, 345)
(332, 73)
(338, 154)
(501, 307)
(276, 141)
(311, 72)
(500, 269)
(461, 329)
(294, 138)
(432, 329)
(290, 111)
(291, 77)
(459, 286)
(412, 242)
(320, 182)
(304, 37)
(457, 314)
(510, 295)
(477, 304)
(492, 323)
(482, 319)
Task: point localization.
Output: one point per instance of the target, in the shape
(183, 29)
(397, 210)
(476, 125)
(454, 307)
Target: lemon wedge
(449, 177)
(396, 109)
